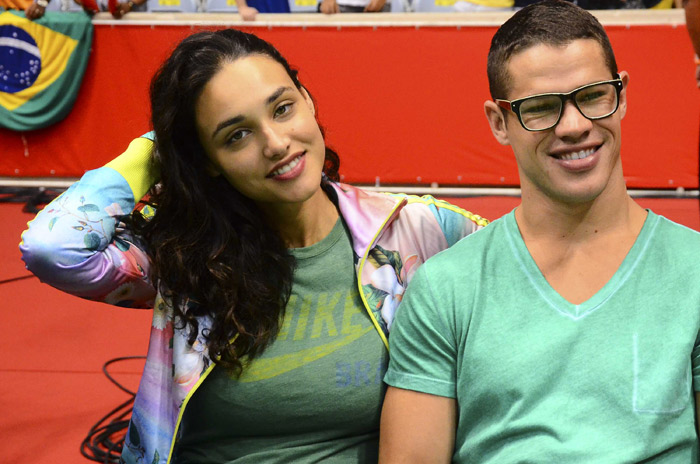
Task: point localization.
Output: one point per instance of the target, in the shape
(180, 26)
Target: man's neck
(543, 218)
(578, 248)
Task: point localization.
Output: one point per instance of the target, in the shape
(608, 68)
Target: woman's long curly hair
(212, 252)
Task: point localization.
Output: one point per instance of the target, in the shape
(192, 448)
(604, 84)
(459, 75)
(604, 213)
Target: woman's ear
(308, 100)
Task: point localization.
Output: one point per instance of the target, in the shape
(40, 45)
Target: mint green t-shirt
(315, 394)
(540, 380)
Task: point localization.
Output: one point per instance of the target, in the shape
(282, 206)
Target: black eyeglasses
(541, 112)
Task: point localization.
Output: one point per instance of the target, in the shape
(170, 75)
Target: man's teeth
(288, 167)
(577, 155)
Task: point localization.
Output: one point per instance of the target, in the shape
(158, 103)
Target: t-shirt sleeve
(422, 344)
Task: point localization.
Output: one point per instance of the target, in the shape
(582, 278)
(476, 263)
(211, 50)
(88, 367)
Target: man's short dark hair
(550, 22)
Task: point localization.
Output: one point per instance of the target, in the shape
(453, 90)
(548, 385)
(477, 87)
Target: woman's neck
(302, 225)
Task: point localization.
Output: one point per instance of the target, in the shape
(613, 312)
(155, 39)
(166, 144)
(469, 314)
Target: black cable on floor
(34, 198)
(15, 279)
(105, 439)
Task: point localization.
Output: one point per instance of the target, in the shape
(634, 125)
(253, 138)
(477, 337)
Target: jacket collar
(366, 213)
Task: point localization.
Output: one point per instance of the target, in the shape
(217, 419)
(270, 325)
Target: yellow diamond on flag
(53, 49)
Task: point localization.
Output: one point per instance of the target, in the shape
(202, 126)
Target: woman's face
(260, 132)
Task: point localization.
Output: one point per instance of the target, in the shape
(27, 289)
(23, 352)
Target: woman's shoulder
(417, 203)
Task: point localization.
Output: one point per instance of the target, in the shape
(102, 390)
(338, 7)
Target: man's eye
(591, 96)
(540, 107)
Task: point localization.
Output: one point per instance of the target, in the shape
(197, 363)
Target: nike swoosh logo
(267, 368)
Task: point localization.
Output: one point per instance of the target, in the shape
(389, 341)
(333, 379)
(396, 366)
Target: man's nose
(572, 122)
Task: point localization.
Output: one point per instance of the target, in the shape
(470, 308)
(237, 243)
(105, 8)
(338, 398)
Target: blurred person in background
(692, 23)
(354, 6)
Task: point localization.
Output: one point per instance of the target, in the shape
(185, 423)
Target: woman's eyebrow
(276, 94)
(228, 122)
(236, 119)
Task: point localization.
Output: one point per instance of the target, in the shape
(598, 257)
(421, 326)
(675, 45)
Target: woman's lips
(290, 170)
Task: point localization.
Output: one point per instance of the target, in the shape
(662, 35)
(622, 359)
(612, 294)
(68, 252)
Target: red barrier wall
(402, 103)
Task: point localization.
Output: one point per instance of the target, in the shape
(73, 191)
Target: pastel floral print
(388, 282)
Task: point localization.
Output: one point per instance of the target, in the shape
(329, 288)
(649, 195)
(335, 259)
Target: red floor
(53, 347)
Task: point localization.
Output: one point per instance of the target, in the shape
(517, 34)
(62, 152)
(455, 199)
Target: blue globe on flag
(20, 59)
(41, 67)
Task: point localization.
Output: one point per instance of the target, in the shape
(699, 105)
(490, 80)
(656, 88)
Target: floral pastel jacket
(77, 244)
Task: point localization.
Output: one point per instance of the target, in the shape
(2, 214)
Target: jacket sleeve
(455, 222)
(78, 244)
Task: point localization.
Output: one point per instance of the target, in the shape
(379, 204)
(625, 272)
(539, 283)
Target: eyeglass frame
(514, 105)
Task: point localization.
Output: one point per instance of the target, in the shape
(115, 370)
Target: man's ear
(497, 122)
(623, 93)
(308, 100)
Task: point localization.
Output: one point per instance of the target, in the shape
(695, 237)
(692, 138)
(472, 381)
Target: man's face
(577, 160)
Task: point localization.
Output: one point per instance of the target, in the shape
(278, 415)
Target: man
(566, 331)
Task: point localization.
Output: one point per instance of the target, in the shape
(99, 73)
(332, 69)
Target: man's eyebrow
(236, 119)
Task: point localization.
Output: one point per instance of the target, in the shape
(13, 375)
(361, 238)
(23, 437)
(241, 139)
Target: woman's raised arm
(78, 242)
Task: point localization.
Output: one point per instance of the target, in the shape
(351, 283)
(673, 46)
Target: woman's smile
(291, 169)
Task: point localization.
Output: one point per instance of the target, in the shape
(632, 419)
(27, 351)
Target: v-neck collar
(554, 299)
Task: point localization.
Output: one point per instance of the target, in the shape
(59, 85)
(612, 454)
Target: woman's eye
(237, 136)
(283, 109)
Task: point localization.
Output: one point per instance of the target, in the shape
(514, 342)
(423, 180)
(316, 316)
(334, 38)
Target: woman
(273, 286)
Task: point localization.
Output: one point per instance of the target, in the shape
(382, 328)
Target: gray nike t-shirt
(315, 394)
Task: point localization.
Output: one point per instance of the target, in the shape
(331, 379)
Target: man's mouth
(577, 155)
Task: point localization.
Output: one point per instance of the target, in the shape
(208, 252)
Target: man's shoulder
(680, 228)
(674, 244)
(674, 233)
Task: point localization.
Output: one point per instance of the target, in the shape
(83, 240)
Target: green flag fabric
(42, 64)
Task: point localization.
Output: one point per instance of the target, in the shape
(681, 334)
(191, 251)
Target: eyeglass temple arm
(503, 104)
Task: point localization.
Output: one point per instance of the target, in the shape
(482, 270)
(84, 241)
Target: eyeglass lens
(594, 102)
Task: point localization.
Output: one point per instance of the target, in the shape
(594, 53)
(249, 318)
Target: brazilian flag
(42, 64)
